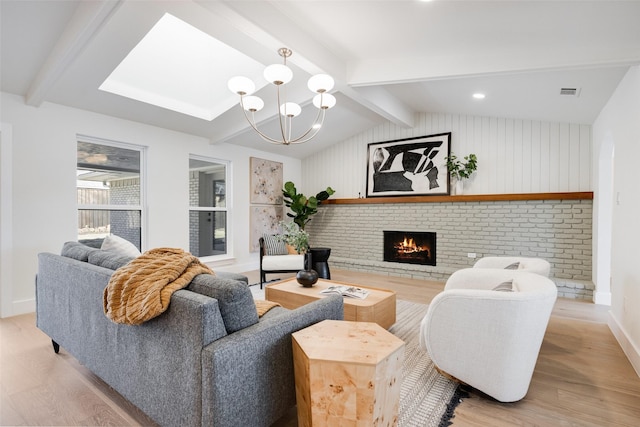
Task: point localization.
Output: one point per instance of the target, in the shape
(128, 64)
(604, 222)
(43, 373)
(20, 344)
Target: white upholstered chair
(486, 338)
(532, 265)
(280, 262)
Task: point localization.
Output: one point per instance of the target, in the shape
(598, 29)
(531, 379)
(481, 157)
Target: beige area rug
(426, 398)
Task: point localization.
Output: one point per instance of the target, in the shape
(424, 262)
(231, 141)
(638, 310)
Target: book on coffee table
(346, 291)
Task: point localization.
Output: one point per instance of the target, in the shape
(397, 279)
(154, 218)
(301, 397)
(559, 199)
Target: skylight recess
(181, 68)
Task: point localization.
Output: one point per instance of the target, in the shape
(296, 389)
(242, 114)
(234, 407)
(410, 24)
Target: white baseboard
(23, 307)
(632, 352)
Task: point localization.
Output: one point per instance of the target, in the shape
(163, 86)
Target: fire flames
(409, 246)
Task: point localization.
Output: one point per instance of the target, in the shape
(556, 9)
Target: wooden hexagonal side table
(347, 374)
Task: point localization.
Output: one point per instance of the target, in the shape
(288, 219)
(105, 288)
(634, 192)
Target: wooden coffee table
(379, 306)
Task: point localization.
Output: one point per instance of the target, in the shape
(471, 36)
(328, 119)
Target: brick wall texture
(126, 224)
(559, 231)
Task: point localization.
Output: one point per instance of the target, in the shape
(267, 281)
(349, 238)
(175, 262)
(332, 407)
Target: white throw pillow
(118, 244)
(504, 287)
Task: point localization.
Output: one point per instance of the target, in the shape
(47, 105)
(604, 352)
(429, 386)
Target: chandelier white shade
(279, 75)
(324, 100)
(241, 85)
(253, 103)
(320, 83)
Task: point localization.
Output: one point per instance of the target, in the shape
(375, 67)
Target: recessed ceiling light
(479, 95)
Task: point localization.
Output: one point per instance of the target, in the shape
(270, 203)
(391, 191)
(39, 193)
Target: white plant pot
(459, 187)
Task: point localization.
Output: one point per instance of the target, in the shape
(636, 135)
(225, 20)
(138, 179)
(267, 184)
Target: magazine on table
(346, 291)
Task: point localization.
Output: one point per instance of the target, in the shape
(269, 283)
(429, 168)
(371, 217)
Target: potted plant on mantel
(461, 170)
(303, 208)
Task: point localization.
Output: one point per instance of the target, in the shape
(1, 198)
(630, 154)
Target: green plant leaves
(461, 169)
(303, 208)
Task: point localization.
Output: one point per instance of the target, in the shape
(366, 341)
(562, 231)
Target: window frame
(143, 180)
(227, 208)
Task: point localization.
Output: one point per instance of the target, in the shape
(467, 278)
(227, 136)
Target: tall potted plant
(303, 208)
(461, 170)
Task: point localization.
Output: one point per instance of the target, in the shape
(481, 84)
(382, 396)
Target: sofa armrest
(480, 278)
(248, 375)
(487, 339)
(533, 265)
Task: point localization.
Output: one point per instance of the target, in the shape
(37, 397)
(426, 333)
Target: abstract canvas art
(264, 220)
(266, 182)
(266, 210)
(409, 167)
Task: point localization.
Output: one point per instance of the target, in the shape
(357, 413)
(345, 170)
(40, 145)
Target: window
(208, 206)
(109, 191)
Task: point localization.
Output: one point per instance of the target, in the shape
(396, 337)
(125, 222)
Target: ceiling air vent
(569, 91)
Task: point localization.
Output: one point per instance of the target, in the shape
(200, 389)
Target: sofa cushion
(109, 259)
(283, 262)
(118, 244)
(235, 300)
(513, 266)
(274, 246)
(77, 251)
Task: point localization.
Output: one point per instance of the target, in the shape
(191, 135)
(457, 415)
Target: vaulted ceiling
(390, 59)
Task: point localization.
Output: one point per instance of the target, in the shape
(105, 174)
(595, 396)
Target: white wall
(514, 156)
(43, 180)
(6, 219)
(619, 122)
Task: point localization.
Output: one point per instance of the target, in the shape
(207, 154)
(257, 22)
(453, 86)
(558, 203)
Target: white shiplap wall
(514, 155)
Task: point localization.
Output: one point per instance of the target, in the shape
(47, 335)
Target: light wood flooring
(582, 377)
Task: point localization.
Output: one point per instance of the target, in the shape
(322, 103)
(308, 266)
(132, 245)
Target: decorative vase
(307, 277)
(459, 187)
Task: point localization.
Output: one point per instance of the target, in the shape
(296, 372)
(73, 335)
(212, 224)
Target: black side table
(319, 259)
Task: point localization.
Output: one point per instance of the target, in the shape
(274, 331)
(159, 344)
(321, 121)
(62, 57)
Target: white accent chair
(486, 338)
(269, 264)
(532, 265)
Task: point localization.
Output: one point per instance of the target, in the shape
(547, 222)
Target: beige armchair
(532, 265)
(486, 338)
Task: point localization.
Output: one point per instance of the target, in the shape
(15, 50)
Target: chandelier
(279, 75)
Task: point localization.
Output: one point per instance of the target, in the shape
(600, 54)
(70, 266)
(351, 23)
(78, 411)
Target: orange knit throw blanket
(263, 306)
(142, 289)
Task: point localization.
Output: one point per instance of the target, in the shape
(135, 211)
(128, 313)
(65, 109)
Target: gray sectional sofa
(208, 360)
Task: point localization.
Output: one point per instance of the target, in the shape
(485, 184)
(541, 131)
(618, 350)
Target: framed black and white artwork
(409, 167)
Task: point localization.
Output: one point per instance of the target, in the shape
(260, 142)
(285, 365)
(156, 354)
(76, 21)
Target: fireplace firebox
(411, 247)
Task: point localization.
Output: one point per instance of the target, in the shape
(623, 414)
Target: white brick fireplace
(558, 230)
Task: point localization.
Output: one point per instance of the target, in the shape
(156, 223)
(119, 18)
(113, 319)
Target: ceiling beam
(380, 101)
(374, 72)
(87, 20)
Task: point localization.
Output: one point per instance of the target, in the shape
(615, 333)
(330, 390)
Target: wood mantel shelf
(586, 195)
